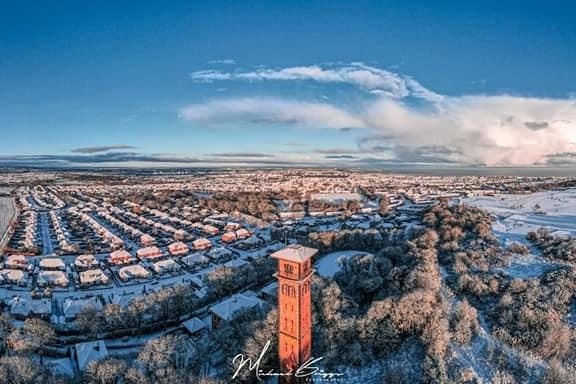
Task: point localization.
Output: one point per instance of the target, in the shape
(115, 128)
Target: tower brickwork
(294, 306)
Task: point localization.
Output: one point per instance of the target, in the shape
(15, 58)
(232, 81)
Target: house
(242, 234)
(210, 230)
(178, 248)
(72, 307)
(13, 276)
(233, 307)
(131, 272)
(22, 308)
(219, 254)
(195, 327)
(231, 227)
(52, 278)
(120, 257)
(85, 262)
(229, 237)
(146, 240)
(250, 243)
(149, 253)
(270, 292)
(52, 264)
(85, 353)
(164, 266)
(60, 366)
(180, 234)
(93, 277)
(16, 261)
(195, 259)
(235, 263)
(201, 244)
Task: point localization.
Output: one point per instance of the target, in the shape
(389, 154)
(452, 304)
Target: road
(47, 246)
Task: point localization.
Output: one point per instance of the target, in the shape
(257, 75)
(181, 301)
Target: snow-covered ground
(516, 215)
(7, 211)
(519, 214)
(328, 265)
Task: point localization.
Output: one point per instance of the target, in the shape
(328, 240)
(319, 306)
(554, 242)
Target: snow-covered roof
(90, 351)
(165, 265)
(73, 307)
(52, 277)
(13, 275)
(61, 366)
(23, 307)
(16, 260)
(120, 254)
(52, 263)
(93, 276)
(133, 271)
(297, 253)
(271, 289)
(235, 305)
(194, 325)
(149, 252)
(85, 261)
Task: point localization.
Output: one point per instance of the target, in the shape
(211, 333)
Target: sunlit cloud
(492, 130)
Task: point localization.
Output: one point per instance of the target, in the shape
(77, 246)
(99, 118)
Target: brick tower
(295, 307)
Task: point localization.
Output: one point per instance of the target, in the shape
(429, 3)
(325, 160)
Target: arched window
(288, 290)
(288, 268)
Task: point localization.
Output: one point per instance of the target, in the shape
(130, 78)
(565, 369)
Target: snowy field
(516, 215)
(7, 211)
(328, 265)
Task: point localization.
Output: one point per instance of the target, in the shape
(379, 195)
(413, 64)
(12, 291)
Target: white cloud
(356, 74)
(492, 130)
(258, 110)
(223, 61)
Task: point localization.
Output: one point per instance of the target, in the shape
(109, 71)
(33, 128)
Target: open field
(7, 211)
(516, 215)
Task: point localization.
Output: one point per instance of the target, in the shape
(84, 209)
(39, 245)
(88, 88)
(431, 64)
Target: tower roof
(297, 253)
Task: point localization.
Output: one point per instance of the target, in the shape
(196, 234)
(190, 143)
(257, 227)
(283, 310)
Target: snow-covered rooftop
(235, 305)
(298, 253)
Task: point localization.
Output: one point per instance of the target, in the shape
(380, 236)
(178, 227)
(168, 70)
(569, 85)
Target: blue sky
(338, 83)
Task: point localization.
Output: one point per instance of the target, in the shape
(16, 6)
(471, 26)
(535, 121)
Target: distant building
(120, 257)
(149, 253)
(135, 271)
(210, 230)
(93, 277)
(13, 276)
(201, 244)
(16, 261)
(243, 234)
(52, 264)
(229, 237)
(85, 262)
(164, 266)
(178, 248)
(146, 240)
(50, 278)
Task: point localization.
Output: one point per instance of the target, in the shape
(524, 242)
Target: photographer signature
(307, 369)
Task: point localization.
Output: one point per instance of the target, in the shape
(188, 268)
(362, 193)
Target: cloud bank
(100, 149)
(493, 130)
